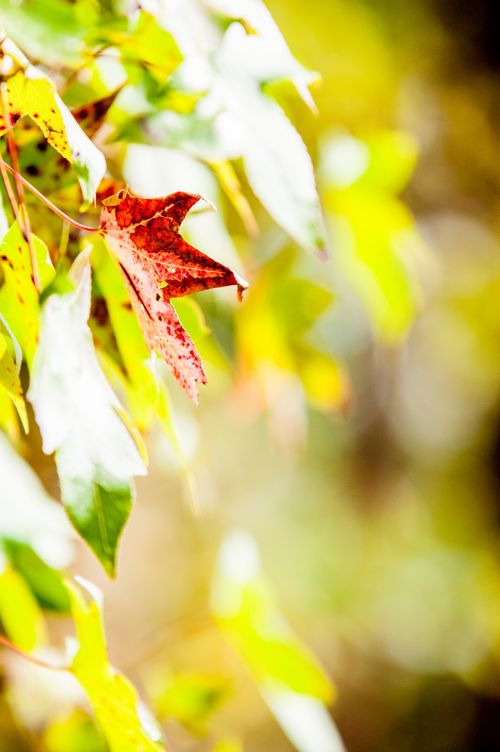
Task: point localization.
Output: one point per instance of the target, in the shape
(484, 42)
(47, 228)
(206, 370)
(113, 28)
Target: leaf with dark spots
(30, 93)
(157, 265)
(91, 116)
(19, 300)
(9, 372)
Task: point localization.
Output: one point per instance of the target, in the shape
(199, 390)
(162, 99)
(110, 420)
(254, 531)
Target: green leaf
(191, 699)
(377, 242)
(247, 612)
(74, 732)
(275, 332)
(28, 514)
(237, 119)
(111, 695)
(150, 44)
(80, 419)
(32, 23)
(19, 612)
(287, 674)
(45, 582)
(277, 164)
(30, 92)
(18, 296)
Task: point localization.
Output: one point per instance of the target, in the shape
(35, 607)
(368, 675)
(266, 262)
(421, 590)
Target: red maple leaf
(157, 265)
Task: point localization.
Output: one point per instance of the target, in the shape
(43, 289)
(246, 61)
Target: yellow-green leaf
(151, 44)
(247, 612)
(18, 296)
(74, 732)
(30, 92)
(9, 375)
(377, 241)
(20, 613)
(228, 745)
(113, 698)
(289, 677)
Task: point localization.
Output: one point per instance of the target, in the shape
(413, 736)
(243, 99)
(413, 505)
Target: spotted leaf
(30, 92)
(157, 265)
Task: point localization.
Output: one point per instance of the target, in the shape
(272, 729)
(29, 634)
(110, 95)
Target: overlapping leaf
(31, 93)
(79, 417)
(158, 265)
(258, 20)
(237, 119)
(146, 44)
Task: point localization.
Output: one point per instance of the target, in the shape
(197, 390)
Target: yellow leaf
(31, 93)
(19, 612)
(10, 381)
(113, 698)
(19, 302)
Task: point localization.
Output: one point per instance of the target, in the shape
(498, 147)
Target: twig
(37, 661)
(8, 189)
(46, 201)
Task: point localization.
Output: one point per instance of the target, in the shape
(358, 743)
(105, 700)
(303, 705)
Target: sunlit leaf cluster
(102, 301)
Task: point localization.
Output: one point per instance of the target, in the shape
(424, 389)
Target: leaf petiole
(36, 661)
(46, 201)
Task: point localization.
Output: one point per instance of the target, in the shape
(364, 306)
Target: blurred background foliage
(350, 430)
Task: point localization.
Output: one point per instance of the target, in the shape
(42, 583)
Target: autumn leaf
(31, 93)
(92, 115)
(157, 265)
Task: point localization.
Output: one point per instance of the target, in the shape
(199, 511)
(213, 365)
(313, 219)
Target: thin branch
(46, 201)
(8, 189)
(23, 210)
(37, 661)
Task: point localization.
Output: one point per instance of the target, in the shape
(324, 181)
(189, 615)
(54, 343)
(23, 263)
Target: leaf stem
(8, 189)
(46, 201)
(37, 661)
